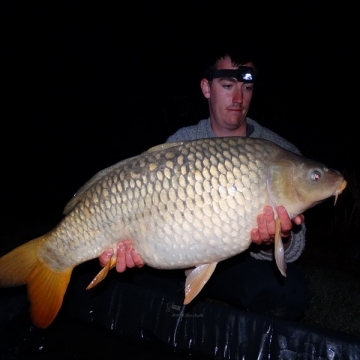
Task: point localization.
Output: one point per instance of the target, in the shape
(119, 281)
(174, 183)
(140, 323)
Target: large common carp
(183, 205)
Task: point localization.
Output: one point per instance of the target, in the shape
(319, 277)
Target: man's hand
(126, 256)
(265, 232)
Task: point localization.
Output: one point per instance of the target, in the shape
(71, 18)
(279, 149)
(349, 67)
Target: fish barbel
(183, 205)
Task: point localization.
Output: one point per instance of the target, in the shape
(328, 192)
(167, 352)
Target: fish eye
(316, 175)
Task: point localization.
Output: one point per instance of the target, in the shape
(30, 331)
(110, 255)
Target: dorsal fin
(99, 175)
(165, 146)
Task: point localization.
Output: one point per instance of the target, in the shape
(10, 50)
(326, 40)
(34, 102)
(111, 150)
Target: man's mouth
(235, 109)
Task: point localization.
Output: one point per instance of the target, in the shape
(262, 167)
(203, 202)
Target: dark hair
(238, 53)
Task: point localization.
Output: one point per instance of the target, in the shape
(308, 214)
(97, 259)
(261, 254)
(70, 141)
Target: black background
(88, 83)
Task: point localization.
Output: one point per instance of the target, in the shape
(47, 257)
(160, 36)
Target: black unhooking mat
(204, 329)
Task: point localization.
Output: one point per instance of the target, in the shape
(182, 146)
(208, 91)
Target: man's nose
(238, 96)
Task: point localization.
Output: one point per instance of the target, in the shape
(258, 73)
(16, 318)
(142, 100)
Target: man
(242, 280)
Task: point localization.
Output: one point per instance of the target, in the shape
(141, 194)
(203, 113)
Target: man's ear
(205, 88)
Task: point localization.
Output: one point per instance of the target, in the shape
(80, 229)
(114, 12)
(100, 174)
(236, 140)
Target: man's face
(229, 100)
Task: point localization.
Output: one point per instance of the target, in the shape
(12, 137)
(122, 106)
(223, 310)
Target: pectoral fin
(101, 275)
(279, 249)
(196, 279)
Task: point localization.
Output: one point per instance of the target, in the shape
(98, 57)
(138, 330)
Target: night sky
(90, 83)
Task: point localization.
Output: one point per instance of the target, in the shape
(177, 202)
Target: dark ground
(69, 339)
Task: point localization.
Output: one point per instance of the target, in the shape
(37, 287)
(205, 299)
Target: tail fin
(46, 288)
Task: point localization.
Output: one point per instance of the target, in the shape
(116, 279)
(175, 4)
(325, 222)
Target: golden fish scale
(192, 204)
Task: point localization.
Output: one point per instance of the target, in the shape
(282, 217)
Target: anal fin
(101, 275)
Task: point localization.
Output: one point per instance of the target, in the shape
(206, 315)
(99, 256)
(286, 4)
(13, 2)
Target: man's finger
(120, 258)
(105, 257)
(286, 223)
(128, 257)
(270, 221)
(137, 258)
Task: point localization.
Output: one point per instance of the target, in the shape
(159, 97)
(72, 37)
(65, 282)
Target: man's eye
(227, 86)
(249, 87)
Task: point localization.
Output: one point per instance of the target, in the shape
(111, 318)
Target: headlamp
(244, 74)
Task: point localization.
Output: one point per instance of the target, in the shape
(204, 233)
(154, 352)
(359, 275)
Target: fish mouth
(340, 190)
